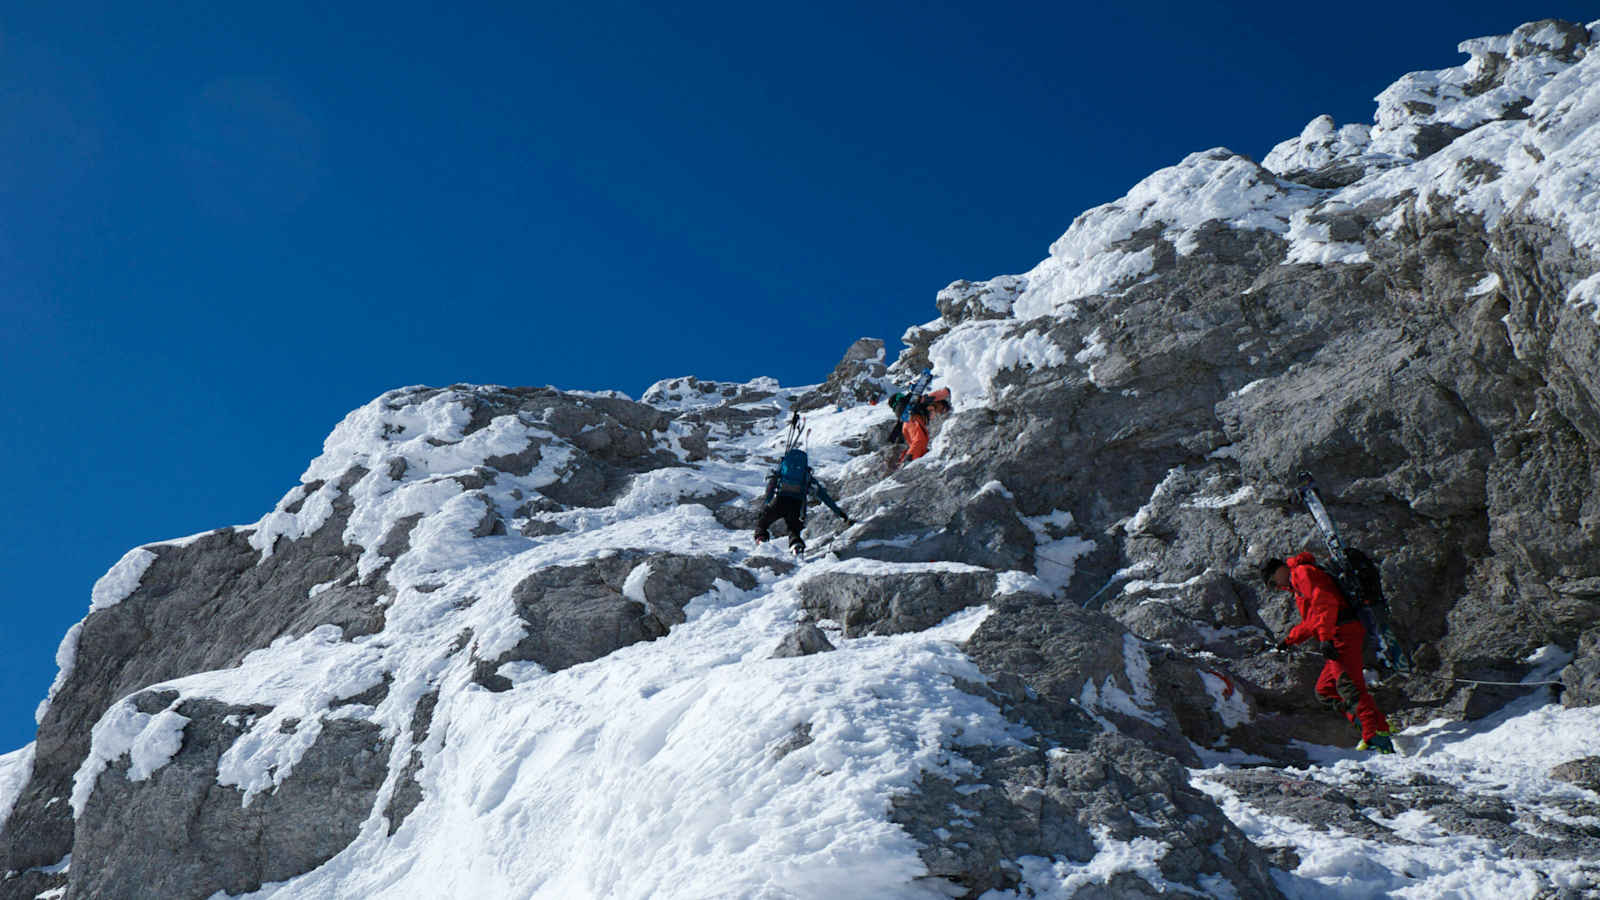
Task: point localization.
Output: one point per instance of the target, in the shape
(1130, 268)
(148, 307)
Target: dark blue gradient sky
(220, 231)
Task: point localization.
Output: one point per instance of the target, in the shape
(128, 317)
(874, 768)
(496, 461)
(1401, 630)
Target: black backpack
(1360, 579)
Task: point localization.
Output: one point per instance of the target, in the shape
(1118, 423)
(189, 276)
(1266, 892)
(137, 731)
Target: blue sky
(221, 229)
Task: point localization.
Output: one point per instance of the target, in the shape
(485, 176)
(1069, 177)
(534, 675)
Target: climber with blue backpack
(790, 488)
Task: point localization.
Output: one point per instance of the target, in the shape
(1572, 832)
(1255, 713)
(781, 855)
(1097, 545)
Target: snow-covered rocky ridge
(514, 642)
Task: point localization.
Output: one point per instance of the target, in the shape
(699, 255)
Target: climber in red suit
(1327, 617)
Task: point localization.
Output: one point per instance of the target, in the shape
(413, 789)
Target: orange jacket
(1318, 598)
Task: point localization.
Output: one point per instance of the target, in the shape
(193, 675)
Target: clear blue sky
(222, 230)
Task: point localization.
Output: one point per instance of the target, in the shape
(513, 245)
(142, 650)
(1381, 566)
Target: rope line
(1501, 683)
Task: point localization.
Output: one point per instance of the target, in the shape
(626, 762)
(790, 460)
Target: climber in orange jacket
(1328, 617)
(915, 427)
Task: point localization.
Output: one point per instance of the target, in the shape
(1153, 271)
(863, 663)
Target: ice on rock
(970, 359)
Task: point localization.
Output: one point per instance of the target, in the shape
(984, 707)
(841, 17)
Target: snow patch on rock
(1585, 296)
(310, 515)
(122, 580)
(1056, 549)
(15, 769)
(1320, 144)
(1059, 879)
(148, 740)
(1109, 696)
(1210, 186)
(633, 587)
(66, 659)
(972, 356)
(1227, 701)
(1312, 243)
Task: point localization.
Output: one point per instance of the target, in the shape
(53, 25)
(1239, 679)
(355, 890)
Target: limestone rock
(1581, 678)
(805, 640)
(1584, 772)
(893, 603)
(860, 377)
(179, 833)
(577, 614)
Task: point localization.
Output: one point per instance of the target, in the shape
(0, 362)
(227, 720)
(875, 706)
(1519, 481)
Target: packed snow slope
(516, 642)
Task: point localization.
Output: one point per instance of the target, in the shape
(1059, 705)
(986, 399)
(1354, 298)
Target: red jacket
(1319, 599)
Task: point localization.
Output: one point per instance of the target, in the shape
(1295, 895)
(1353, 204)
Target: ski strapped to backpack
(796, 431)
(1358, 577)
(904, 402)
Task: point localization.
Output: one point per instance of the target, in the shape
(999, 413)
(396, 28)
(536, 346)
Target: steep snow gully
(516, 642)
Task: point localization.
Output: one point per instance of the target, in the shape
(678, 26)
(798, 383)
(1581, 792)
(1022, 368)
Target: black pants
(792, 510)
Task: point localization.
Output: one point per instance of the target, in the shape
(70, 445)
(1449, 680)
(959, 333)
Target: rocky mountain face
(1409, 310)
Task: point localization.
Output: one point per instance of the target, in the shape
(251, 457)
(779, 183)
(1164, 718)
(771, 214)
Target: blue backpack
(793, 473)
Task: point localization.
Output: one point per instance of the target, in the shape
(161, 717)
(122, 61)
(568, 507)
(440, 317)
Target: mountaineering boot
(1378, 743)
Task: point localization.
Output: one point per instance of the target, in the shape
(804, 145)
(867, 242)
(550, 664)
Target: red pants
(915, 431)
(1343, 686)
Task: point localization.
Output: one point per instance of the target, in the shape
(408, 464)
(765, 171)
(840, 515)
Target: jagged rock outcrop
(860, 377)
(1422, 355)
(929, 516)
(147, 639)
(706, 410)
(1075, 658)
(1585, 772)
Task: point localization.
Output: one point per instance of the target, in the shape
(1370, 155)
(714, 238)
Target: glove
(1328, 650)
(849, 521)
